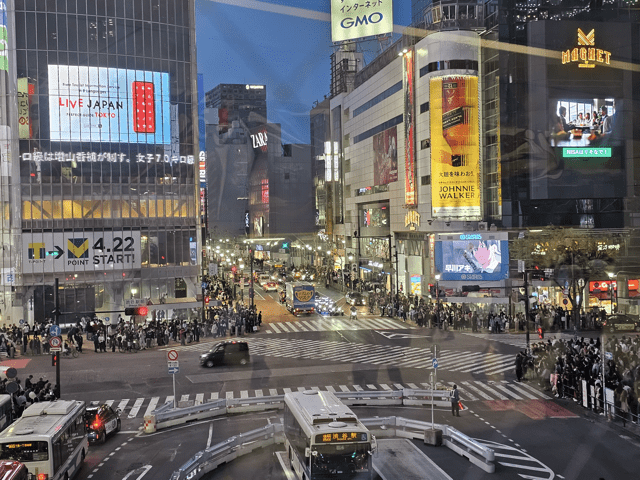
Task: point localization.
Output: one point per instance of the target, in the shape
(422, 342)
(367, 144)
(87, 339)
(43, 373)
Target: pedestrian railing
(207, 460)
(166, 416)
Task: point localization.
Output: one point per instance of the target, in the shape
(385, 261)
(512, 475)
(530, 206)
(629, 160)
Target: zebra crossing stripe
(274, 327)
(109, 402)
(259, 393)
(520, 391)
(477, 390)
(467, 395)
(286, 390)
(344, 388)
(412, 386)
(214, 395)
(330, 389)
(152, 406)
(507, 391)
(358, 388)
(136, 407)
(169, 399)
(273, 392)
(495, 393)
(307, 324)
(371, 387)
(302, 389)
(533, 390)
(384, 386)
(244, 394)
(184, 398)
(199, 399)
(229, 395)
(123, 404)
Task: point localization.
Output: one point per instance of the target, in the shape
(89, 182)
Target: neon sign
(586, 51)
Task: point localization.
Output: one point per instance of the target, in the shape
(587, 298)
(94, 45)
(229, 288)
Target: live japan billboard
(68, 252)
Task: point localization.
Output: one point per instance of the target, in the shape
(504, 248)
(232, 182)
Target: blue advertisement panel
(472, 257)
(91, 104)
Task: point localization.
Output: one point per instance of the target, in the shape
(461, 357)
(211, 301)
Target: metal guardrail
(207, 460)
(165, 416)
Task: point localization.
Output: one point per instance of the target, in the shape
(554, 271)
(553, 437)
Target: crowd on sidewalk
(575, 369)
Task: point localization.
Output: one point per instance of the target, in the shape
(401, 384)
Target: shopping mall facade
(99, 157)
(447, 147)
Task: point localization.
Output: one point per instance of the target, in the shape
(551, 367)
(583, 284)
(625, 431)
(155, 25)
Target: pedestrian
(519, 366)
(455, 402)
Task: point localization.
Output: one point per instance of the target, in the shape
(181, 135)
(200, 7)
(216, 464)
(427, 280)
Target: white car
(270, 287)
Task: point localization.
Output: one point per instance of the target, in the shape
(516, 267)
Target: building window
(425, 180)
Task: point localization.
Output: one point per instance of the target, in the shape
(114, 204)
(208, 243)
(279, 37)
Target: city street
(334, 353)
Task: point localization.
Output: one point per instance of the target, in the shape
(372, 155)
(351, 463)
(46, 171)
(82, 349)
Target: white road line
(184, 398)
(259, 393)
(229, 395)
(169, 399)
(384, 386)
(302, 389)
(123, 404)
(287, 390)
(465, 393)
(413, 386)
(372, 387)
(244, 394)
(521, 391)
(273, 392)
(507, 391)
(274, 327)
(330, 389)
(344, 388)
(214, 395)
(399, 386)
(477, 390)
(535, 392)
(152, 406)
(136, 407)
(493, 392)
(358, 388)
(109, 402)
(315, 389)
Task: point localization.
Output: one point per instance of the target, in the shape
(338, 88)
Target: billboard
(355, 19)
(472, 256)
(385, 157)
(409, 97)
(455, 147)
(4, 37)
(91, 104)
(66, 252)
(26, 94)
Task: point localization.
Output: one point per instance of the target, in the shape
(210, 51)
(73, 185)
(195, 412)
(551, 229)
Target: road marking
(169, 399)
(109, 402)
(286, 390)
(210, 435)
(385, 386)
(199, 399)
(273, 326)
(214, 395)
(273, 392)
(372, 387)
(259, 393)
(521, 391)
(358, 388)
(477, 390)
(244, 394)
(344, 388)
(493, 392)
(229, 395)
(136, 407)
(412, 386)
(330, 389)
(184, 398)
(123, 404)
(152, 406)
(141, 471)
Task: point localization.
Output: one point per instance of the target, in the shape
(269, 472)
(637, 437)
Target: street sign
(608, 356)
(56, 349)
(172, 355)
(434, 362)
(22, 321)
(171, 364)
(174, 370)
(55, 342)
(54, 330)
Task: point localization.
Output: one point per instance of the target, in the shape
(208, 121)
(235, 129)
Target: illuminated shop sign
(412, 220)
(254, 87)
(259, 140)
(409, 97)
(586, 52)
(455, 147)
(357, 18)
(80, 251)
(26, 93)
(586, 152)
(91, 104)
(91, 157)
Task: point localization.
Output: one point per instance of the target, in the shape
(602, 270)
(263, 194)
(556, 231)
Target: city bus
(6, 412)
(50, 439)
(324, 438)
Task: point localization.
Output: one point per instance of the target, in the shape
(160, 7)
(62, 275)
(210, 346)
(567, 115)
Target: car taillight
(96, 425)
(42, 476)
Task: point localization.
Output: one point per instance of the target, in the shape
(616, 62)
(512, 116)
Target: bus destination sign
(341, 437)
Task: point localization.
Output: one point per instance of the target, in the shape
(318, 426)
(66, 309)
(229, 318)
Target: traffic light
(141, 311)
(540, 332)
(54, 358)
(206, 300)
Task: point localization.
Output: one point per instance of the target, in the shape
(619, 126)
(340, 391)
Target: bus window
(25, 451)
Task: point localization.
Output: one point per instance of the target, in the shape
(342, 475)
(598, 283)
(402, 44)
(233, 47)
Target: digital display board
(356, 19)
(409, 101)
(455, 147)
(385, 157)
(91, 104)
(472, 256)
(338, 437)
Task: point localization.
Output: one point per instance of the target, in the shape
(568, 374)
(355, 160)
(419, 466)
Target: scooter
(354, 314)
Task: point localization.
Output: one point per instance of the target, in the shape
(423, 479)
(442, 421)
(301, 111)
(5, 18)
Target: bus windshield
(340, 459)
(24, 452)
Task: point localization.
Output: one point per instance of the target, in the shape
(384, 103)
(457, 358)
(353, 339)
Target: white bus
(50, 439)
(324, 438)
(6, 412)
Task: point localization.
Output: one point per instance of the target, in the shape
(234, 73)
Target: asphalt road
(537, 437)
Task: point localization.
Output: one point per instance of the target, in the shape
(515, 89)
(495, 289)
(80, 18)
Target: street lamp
(611, 277)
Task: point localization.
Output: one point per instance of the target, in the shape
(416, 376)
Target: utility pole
(56, 320)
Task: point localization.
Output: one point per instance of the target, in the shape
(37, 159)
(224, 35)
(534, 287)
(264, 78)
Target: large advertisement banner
(357, 18)
(409, 95)
(455, 148)
(4, 37)
(26, 92)
(472, 256)
(66, 252)
(91, 104)
(385, 157)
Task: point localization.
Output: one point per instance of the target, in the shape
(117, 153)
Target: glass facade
(107, 146)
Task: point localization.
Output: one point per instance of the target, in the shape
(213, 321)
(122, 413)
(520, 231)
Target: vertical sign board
(408, 83)
(455, 147)
(4, 37)
(356, 18)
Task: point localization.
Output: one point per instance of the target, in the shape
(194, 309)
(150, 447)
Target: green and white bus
(324, 438)
(50, 439)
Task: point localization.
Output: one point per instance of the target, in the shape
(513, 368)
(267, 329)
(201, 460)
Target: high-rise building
(100, 156)
(247, 103)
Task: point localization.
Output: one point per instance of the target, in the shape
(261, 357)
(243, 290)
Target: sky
(283, 44)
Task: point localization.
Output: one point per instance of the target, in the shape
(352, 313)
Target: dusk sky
(284, 44)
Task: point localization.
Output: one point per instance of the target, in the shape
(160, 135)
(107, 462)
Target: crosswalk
(487, 363)
(470, 391)
(330, 324)
(525, 466)
(519, 340)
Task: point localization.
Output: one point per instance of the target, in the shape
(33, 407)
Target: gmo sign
(356, 19)
(375, 17)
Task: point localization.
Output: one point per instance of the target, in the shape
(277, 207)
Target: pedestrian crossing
(470, 391)
(331, 324)
(394, 355)
(519, 340)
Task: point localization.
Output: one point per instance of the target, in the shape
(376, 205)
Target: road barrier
(207, 460)
(167, 416)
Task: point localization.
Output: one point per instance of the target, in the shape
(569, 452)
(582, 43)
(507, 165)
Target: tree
(572, 253)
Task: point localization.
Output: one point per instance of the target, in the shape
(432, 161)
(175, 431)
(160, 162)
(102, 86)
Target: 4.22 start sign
(80, 251)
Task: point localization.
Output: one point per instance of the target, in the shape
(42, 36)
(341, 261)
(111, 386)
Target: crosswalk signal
(141, 311)
(54, 359)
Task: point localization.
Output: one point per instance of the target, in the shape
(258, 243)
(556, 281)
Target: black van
(226, 353)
